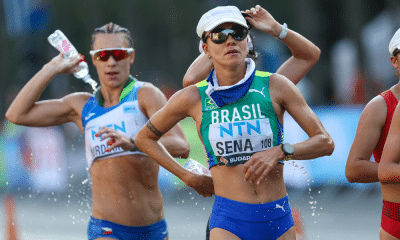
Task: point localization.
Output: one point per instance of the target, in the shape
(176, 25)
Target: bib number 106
(266, 143)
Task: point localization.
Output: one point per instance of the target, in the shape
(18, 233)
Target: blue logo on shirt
(130, 109)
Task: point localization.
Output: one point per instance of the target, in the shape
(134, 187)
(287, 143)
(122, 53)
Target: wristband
(135, 148)
(283, 33)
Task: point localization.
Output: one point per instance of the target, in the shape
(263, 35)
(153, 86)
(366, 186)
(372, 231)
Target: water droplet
(311, 202)
(305, 173)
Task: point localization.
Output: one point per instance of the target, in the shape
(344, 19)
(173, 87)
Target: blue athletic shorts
(100, 228)
(266, 221)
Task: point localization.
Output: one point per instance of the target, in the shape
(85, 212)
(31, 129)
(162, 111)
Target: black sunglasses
(220, 35)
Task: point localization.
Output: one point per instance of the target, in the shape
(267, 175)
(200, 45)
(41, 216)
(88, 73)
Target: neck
(110, 96)
(230, 75)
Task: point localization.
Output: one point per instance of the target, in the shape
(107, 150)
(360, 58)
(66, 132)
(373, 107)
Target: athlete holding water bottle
(127, 202)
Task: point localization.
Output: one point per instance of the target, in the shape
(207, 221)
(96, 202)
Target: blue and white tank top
(125, 117)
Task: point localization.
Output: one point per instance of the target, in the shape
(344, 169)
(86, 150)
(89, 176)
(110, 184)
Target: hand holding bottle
(196, 167)
(62, 44)
(61, 65)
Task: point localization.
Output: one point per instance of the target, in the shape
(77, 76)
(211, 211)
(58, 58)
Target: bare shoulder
(282, 90)
(278, 81)
(148, 89)
(77, 100)
(188, 96)
(375, 110)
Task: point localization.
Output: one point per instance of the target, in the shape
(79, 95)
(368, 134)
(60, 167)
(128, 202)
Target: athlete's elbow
(10, 116)
(182, 151)
(316, 54)
(350, 175)
(383, 174)
(187, 80)
(329, 145)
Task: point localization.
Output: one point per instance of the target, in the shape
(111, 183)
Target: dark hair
(252, 53)
(112, 28)
(395, 52)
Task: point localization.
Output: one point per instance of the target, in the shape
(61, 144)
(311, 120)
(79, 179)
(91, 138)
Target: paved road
(329, 213)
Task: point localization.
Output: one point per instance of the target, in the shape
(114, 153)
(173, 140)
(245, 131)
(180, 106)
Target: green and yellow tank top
(238, 130)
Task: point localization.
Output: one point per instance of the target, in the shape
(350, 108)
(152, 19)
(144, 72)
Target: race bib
(238, 141)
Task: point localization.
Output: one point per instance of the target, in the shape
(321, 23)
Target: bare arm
(151, 99)
(178, 107)
(198, 70)
(319, 143)
(304, 53)
(27, 110)
(389, 168)
(359, 168)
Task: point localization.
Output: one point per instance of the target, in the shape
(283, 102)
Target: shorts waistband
(124, 228)
(252, 212)
(391, 210)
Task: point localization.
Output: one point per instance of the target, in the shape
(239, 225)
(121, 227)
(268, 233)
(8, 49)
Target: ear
(395, 62)
(205, 49)
(131, 57)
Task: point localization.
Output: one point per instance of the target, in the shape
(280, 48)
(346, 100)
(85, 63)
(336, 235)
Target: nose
(111, 61)
(230, 40)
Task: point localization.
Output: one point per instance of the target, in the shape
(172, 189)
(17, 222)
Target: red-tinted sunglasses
(105, 53)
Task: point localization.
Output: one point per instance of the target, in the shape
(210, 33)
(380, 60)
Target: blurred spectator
(349, 85)
(375, 37)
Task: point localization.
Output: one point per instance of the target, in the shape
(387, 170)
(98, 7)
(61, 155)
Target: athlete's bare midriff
(125, 190)
(229, 183)
(391, 192)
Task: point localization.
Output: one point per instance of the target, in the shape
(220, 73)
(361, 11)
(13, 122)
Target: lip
(232, 52)
(112, 74)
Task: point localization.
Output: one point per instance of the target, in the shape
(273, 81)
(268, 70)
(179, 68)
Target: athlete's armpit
(154, 129)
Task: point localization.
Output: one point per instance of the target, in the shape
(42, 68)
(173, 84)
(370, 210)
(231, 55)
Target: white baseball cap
(219, 15)
(395, 42)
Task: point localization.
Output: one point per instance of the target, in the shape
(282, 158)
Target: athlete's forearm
(176, 146)
(316, 146)
(156, 151)
(301, 47)
(198, 70)
(29, 94)
(362, 171)
(389, 173)
(304, 56)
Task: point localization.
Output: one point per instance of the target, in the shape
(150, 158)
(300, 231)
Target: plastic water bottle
(196, 167)
(62, 44)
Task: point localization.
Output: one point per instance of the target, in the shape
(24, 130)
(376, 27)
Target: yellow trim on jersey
(263, 74)
(202, 83)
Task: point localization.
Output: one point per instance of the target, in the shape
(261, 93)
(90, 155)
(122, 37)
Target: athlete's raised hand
(260, 164)
(262, 20)
(61, 65)
(115, 139)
